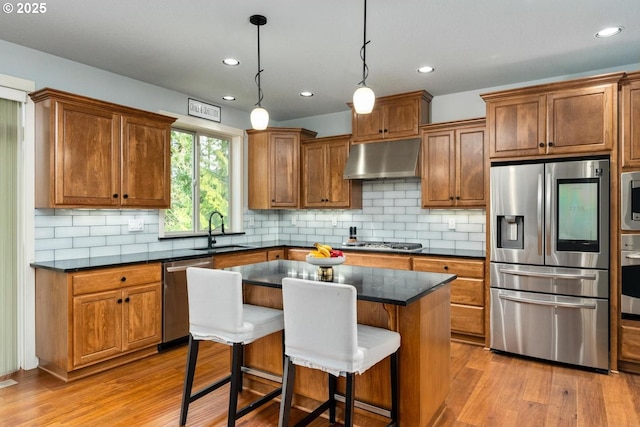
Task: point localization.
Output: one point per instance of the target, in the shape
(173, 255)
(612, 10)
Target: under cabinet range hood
(386, 159)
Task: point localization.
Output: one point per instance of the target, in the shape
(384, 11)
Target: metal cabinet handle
(590, 306)
(548, 275)
(184, 267)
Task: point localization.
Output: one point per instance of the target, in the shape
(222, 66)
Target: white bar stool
(322, 333)
(216, 313)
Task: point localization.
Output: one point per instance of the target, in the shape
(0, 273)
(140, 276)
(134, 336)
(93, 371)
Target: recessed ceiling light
(426, 70)
(306, 94)
(232, 62)
(229, 98)
(608, 32)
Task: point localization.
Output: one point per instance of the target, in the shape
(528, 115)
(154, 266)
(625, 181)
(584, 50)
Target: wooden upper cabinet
(393, 117)
(274, 167)
(96, 154)
(630, 120)
(578, 116)
(453, 164)
(323, 185)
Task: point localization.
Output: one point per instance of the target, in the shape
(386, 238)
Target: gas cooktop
(383, 246)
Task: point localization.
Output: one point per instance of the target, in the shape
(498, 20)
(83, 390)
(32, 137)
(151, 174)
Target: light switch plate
(136, 225)
(452, 223)
(334, 220)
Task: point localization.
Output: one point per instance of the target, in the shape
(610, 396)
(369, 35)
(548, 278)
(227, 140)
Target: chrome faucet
(211, 240)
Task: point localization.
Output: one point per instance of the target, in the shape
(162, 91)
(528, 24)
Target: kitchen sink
(224, 248)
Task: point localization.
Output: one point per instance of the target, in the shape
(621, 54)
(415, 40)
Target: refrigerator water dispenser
(510, 231)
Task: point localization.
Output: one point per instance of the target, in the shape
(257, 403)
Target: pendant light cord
(260, 70)
(363, 49)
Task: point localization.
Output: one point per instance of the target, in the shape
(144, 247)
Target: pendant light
(259, 116)
(363, 97)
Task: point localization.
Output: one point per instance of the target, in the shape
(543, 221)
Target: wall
(391, 211)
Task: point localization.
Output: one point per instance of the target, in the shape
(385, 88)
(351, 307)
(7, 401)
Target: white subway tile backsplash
(391, 211)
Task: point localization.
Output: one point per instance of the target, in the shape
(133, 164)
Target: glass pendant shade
(259, 118)
(363, 100)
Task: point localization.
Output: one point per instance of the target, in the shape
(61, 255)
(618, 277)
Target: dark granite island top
(399, 287)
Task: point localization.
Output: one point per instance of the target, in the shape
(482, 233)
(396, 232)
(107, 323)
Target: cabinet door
(581, 120)
(284, 172)
(87, 156)
(517, 126)
(438, 174)
(368, 127)
(338, 188)
(142, 316)
(146, 163)
(470, 167)
(401, 119)
(97, 327)
(314, 175)
(630, 124)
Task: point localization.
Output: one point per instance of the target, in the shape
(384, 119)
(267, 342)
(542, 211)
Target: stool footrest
(200, 393)
(315, 414)
(258, 402)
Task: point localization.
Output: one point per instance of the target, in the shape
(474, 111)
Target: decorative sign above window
(204, 110)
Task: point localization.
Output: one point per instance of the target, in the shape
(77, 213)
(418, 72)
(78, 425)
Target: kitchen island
(416, 304)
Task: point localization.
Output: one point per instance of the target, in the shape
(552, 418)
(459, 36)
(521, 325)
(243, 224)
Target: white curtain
(9, 133)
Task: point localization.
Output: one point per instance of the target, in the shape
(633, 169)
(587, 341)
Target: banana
(316, 254)
(324, 250)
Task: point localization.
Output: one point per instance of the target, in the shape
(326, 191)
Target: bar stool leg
(188, 379)
(236, 383)
(394, 362)
(349, 400)
(333, 380)
(288, 381)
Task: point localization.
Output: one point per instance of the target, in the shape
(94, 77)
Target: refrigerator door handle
(590, 306)
(539, 216)
(548, 275)
(547, 213)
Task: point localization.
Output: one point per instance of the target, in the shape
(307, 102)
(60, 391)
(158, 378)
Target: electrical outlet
(452, 223)
(334, 220)
(136, 225)
(252, 221)
(293, 220)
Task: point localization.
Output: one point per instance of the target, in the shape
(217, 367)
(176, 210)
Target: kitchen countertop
(79, 264)
(381, 285)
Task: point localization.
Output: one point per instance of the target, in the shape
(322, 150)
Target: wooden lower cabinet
(93, 320)
(467, 294)
(239, 258)
(630, 340)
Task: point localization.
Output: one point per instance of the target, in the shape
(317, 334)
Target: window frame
(236, 154)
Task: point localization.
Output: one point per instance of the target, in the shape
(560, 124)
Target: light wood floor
(487, 389)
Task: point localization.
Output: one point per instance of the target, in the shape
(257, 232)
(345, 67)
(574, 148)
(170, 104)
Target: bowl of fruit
(325, 256)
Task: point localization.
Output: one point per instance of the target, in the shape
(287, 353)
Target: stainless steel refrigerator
(549, 252)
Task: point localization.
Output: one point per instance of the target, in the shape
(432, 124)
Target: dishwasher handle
(590, 306)
(543, 275)
(184, 267)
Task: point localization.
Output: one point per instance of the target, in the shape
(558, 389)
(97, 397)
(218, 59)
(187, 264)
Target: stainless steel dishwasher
(175, 305)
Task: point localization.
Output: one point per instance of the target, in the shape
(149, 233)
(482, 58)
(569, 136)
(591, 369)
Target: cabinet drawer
(462, 268)
(232, 260)
(297, 254)
(468, 291)
(397, 262)
(467, 319)
(115, 278)
(630, 340)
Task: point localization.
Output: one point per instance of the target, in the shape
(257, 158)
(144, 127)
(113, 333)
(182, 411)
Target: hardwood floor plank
(487, 389)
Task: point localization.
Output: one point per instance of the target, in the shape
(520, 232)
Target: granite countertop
(382, 285)
(79, 264)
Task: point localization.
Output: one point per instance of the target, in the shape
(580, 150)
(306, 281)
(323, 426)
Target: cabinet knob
(125, 196)
(115, 196)
(541, 144)
(550, 144)
(123, 279)
(119, 300)
(446, 267)
(127, 299)
(386, 130)
(273, 200)
(379, 130)
(457, 197)
(450, 197)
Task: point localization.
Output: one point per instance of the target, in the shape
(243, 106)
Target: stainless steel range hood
(388, 159)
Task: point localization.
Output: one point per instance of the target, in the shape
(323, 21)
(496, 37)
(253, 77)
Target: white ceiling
(315, 45)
